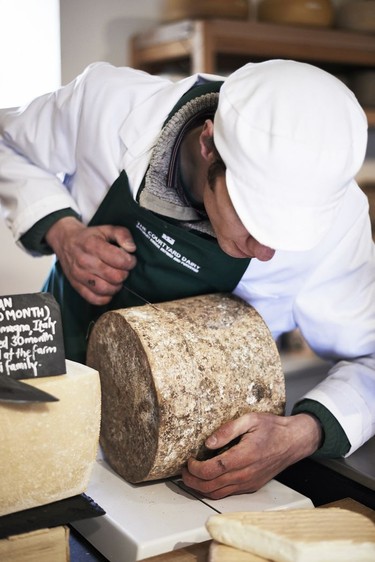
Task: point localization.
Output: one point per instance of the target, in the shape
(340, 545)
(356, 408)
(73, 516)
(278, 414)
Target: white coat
(107, 120)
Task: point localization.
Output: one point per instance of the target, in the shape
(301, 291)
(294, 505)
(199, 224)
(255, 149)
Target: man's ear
(206, 140)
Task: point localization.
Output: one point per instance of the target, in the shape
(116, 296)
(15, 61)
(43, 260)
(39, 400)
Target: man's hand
(96, 260)
(268, 445)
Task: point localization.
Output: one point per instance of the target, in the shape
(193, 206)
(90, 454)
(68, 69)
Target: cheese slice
(222, 553)
(43, 545)
(327, 534)
(47, 450)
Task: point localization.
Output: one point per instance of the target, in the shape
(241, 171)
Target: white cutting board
(143, 520)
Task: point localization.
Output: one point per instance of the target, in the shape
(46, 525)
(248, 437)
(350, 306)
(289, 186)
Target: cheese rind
(47, 450)
(327, 535)
(172, 374)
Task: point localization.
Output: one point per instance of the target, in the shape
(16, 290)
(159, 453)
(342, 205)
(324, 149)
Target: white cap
(292, 137)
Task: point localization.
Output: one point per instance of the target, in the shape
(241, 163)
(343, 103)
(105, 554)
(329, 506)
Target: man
(251, 180)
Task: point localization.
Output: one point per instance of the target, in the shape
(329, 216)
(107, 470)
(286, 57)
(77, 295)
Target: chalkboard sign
(31, 336)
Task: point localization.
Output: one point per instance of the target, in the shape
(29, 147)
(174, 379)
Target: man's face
(232, 236)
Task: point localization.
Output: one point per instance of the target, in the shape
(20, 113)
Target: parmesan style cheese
(308, 535)
(47, 450)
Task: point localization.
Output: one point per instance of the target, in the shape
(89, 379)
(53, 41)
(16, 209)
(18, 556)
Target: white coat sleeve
(335, 311)
(37, 151)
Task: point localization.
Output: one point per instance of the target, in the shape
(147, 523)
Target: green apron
(172, 263)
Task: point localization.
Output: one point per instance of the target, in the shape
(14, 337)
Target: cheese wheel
(180, 9)
(172, 373)
(314, 13)
(357, 16)
(47, 450)
(325, 534)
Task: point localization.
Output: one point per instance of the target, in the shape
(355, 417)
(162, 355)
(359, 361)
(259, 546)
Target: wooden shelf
(202, 42)
(370, 112)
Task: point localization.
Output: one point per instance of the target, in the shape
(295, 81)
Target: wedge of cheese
(47, 450)
(327, 534)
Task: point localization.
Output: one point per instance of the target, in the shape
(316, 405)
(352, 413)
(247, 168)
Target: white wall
(29, 66)
(99, 30)
(30, 49)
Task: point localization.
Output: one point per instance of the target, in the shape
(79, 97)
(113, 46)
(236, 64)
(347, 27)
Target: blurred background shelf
(219, 46)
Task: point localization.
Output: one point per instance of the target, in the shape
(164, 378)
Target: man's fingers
(230, 431)
(120, 236)
(234, 458)
(233, 482)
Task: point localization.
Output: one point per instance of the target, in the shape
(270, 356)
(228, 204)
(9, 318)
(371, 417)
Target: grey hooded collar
(160, 193)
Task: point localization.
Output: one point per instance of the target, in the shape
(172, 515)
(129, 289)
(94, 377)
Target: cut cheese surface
(47, 450)
(327, 535)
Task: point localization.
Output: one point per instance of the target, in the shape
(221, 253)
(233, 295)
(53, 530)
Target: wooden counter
(193, 553)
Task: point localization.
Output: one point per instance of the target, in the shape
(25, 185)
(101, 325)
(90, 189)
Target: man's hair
(216, 169)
